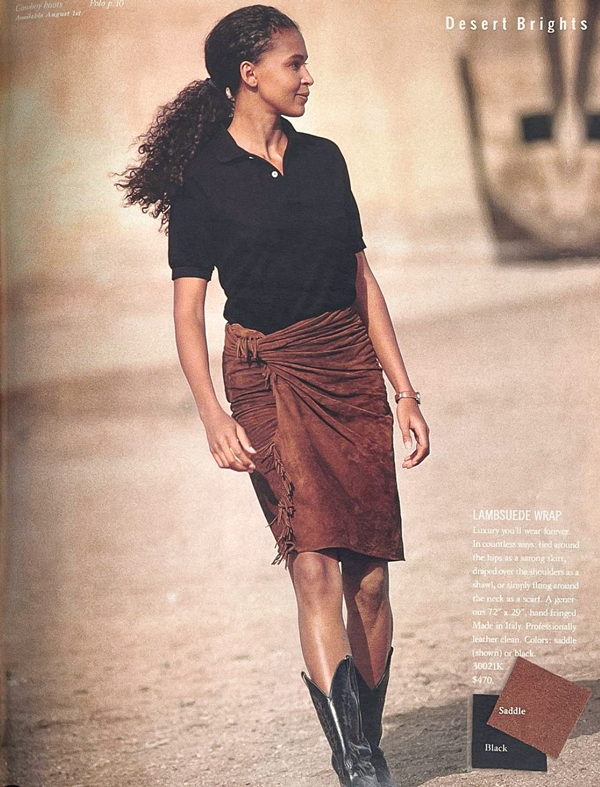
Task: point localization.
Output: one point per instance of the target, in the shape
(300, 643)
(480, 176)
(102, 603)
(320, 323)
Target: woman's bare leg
(365, 583)
(318, 586)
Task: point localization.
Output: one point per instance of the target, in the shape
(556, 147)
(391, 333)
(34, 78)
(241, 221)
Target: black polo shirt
(284, 245)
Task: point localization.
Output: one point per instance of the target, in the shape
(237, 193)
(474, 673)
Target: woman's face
(281, 78)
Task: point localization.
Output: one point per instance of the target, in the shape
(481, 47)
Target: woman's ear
(248, 74)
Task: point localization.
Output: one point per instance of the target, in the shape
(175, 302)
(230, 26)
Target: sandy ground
(148, 640)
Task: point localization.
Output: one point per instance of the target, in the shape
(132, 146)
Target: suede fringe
(286, 541)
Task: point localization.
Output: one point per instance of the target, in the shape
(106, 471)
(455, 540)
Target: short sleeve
(355, 227)
(191, 250)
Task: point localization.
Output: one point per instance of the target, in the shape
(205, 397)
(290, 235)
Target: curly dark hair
(180, 126)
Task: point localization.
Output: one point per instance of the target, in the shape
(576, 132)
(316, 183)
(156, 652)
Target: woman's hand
(410, 420)
(228, 441)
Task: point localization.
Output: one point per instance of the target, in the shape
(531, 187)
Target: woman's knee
(316, 574)
(366, 580)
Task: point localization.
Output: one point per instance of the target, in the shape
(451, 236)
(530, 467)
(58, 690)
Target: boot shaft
(372, 701)
(340, 717)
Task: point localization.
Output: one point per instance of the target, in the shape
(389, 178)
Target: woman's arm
(227, 439)
(373, 310)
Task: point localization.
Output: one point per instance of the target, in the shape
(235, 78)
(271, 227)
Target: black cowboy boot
(339, 714)
(371, 708)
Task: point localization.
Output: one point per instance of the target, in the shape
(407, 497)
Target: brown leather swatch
(538, 707)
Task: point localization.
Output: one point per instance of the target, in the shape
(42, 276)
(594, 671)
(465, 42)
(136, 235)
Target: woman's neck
(259, 133)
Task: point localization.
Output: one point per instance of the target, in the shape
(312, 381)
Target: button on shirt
(284, 244)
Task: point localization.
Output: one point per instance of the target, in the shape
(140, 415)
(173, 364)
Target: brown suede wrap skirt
(312, 400)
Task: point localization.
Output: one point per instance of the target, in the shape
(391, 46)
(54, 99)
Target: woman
(307, 335)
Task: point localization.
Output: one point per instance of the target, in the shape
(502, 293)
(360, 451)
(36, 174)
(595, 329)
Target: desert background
(145, 636)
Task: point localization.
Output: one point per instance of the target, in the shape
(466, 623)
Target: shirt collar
(227, 149)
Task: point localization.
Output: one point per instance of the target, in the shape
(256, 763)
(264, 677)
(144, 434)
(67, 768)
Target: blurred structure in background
(533, 102)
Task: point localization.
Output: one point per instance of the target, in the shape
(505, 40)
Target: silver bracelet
(408, 395)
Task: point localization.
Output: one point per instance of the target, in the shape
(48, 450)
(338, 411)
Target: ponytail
(175, 135)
